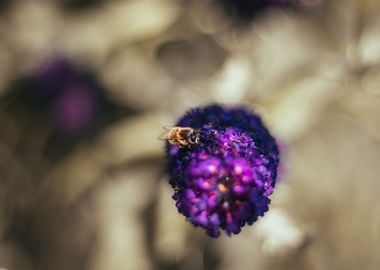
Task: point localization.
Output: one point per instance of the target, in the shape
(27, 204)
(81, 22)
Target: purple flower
(63, 99)
(71, 95)
(224, 181)
(75, 108)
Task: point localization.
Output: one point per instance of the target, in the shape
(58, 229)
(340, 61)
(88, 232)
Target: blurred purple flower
(63, 99)
(224, 181)
(75, 108)
(71, 96)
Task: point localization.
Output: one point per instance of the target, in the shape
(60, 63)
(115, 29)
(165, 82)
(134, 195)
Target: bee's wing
(164, 135)
(167, 128)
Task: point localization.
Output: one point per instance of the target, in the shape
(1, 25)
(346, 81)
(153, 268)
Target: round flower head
(223, 181)
(64, 100)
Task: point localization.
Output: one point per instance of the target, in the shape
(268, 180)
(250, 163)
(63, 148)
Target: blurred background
(86, 85)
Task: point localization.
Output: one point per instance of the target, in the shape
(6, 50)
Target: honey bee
(183, 137)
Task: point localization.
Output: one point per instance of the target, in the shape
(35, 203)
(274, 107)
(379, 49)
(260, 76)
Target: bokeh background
(86, 86)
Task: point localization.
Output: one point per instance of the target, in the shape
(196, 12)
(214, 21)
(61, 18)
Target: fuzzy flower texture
(223, 182)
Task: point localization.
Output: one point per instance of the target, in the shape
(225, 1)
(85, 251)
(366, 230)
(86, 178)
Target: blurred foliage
(91, 193)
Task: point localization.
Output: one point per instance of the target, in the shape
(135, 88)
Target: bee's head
(193, 137)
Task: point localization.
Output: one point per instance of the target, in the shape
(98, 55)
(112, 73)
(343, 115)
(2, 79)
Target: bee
(183, 137)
